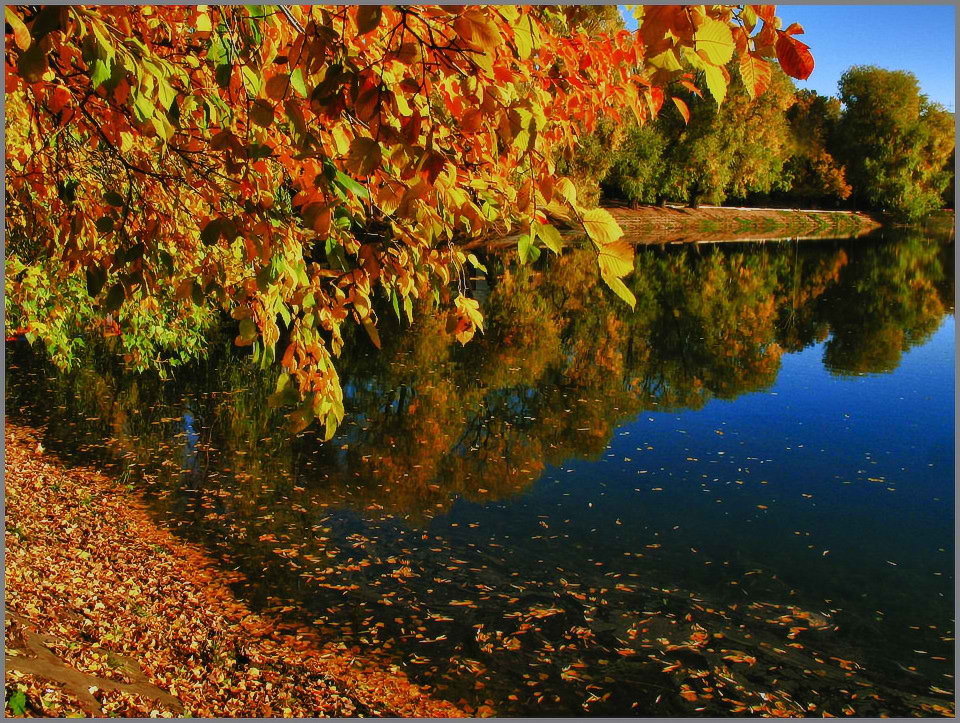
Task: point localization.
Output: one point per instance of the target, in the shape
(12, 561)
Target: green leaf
(104, 224)
(296, 80)
(96, 278)
(99, 73)
(396, 302)
(166, 260)
(524, 244)
(115, 298)
(330, 427)
(18, 703)
(476, 263)
(166, 93)
(143, 107)
(350, 184)
(223, 74)
(196, 294)
(284, 314)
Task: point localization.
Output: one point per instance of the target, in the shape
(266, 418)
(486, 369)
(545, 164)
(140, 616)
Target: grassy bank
(107, 613)
(677, 224)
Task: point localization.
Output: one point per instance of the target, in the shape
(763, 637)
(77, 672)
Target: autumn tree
(812, 171)
(894, 141)
(287, 165)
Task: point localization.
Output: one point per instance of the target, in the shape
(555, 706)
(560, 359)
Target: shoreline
(680, 224)
(108, 613)
(672, 224)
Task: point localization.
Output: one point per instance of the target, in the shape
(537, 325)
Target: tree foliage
(286, 165)
(813, 172)
(895, 142)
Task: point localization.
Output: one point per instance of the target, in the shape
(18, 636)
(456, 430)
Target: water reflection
(419, 530)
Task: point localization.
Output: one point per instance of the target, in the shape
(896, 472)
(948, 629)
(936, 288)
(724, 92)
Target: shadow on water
(590, 510)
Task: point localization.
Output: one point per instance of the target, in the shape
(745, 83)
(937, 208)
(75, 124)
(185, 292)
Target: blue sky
(918, 38)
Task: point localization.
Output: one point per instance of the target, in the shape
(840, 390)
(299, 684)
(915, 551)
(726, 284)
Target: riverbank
(679, 224)
(672, 224)
(109, 614)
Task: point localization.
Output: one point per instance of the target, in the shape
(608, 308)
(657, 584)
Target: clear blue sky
(918, 38)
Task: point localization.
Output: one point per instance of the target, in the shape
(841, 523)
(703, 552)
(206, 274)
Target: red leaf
(794, 57)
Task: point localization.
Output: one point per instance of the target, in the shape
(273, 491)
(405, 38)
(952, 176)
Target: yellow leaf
(616, 259)
(667, 60)
(372, 331)
(621, 290)
(550, 236)
(525, 36)
(471, 309)
(716, 82)
(340, 139)
(566, 190)
(203, 22)
(714, 42)
(601, 227)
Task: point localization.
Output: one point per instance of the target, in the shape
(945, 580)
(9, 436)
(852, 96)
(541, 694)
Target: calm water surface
(739, 496)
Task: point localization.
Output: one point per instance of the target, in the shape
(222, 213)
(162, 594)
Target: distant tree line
(881, 145)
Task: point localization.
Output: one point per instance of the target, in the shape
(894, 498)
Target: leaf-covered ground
(109, 614)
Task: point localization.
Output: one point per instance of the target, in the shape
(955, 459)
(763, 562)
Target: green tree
(730, 150)
(637, 165)
(894, 141)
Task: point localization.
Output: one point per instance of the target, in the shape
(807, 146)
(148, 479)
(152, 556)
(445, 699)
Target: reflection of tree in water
(561, 365)
(889, 301)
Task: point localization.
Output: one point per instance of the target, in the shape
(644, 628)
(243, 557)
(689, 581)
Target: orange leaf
(682, 107)
(756, 73)
(794, 29)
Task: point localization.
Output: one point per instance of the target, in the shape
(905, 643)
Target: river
(738, 497)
